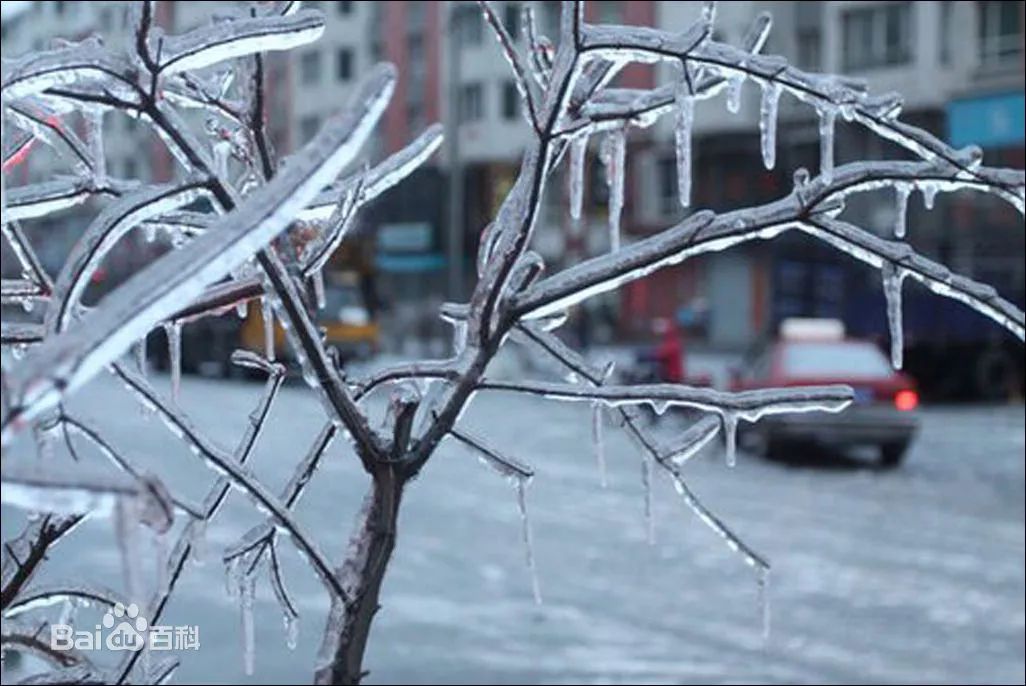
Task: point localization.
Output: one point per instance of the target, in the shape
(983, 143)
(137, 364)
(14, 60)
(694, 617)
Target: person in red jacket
(669, 352)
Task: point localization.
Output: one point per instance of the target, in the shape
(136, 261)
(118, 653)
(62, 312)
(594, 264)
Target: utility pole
(452, 138)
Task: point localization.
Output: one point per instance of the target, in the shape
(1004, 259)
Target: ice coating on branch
(827, 116)
(615, 157)
(598, 442)
(578, 152)
(892, 282)
(685, 109)
(734, 84)
(267, 317)
(902, 191)
(521, 486)
(63, 363)
(768, 122)
(228, 40)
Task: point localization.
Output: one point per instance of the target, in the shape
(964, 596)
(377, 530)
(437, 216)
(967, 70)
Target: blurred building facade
(959, 66)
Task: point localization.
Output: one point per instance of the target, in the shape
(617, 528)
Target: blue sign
(990, 121)
(415, 262)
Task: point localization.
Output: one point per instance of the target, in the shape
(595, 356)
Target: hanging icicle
(173, 331)
(598, 441)
(685, 110)
(267, 315)
(247, 591)
(730, 437)
(734, 84)
(578, 153)
(521, 486)
(764, 602)
(318, 288)
(929, 193)
(902, 192)
(768, 123)
(892, 282)
(827, 118)
(646, 483)
(614, 156)
(94, 134)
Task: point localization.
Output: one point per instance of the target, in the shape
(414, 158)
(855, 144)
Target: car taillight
(906, 400)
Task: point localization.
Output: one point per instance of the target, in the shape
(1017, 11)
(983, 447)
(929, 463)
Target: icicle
(459, 336)
(126, 522)
(318, 288)
(140, 356)
(685, 107)
(646, 482)
(174, 356)
(222, 151)
(615, 158)
(734, 84)
(160, 552)
(198, 541)
(242, 309)
(578, 152)
(232, 570)
(708, 13)
(768, 123)
(267, 314)
(291, 630)
(247, 589)
(94, 127)
(730, 437)
(901, 216)
(929, 194)
(521, 486)
(827, 116)
(892, 280)
(764, 603)
(599, 442)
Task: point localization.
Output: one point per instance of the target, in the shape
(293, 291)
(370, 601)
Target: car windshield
(834, 360)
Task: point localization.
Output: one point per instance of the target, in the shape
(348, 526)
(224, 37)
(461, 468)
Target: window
(669, 202)
(609, 12)
(344, 8)
(945, 33)
(809, 56)
(511, 19)
(471, 102)
(877, 36)
(1000, 27)
(310, 67)
(510, 101)
(344, 64)
(468, 25)
(308, 127)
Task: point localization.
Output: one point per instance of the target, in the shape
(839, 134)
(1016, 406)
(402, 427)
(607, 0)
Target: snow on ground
(913, 575)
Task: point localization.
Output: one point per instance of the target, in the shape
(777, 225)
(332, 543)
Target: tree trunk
(370, 549)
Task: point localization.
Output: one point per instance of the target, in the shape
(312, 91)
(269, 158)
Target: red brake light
(906, 400)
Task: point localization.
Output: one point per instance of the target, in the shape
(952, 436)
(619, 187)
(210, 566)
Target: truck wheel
(891, 454)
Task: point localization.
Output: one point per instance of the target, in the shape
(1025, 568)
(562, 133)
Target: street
(912, 575)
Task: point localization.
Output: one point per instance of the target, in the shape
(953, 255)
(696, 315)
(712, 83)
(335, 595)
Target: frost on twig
(231, 220)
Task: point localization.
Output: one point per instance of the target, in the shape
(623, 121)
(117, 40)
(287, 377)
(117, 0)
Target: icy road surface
(913, 575)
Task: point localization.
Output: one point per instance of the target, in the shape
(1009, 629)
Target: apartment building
(959, 66)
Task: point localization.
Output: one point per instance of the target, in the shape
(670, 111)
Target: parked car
(814, 352)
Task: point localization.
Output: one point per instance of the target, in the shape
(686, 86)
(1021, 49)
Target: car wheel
(892, 454)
